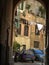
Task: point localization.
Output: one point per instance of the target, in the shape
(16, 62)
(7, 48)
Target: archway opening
(29, 26)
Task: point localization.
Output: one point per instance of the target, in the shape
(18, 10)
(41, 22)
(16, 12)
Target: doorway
(29, 26)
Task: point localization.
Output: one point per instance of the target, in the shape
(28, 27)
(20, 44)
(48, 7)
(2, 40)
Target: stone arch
(43, 2)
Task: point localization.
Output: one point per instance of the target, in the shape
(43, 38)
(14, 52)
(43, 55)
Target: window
(23, 21)
(36, 44)
(36, 30)
(19, 29)
(21, 5)
(26, 28)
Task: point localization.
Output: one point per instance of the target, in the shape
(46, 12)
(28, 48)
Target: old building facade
(27, 28)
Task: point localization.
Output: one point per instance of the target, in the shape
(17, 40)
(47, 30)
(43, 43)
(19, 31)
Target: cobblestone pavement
(29, 63)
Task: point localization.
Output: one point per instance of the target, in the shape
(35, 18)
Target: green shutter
(17, 24)
(22, 5)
